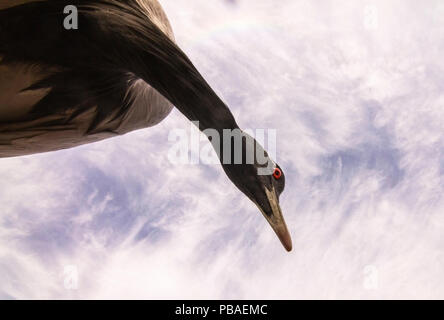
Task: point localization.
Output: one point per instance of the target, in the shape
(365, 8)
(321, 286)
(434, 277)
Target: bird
(119, 69)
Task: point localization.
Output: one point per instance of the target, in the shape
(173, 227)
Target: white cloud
(359, 117)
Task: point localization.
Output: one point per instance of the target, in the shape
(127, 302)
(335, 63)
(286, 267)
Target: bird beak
(276, 220)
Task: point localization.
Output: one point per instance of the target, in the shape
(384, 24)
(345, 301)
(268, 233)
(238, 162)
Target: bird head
(262, 180)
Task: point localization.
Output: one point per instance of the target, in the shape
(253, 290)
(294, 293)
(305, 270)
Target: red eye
(277, 173)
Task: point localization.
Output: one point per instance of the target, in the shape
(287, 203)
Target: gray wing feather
(70, 121)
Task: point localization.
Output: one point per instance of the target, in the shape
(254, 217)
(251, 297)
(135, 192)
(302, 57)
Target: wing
(15, 101)
(55, 90)
(28, 93)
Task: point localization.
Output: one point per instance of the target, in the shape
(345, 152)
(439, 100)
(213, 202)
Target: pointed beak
(276, 220)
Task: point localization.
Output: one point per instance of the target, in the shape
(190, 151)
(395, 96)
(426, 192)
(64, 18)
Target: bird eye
(277, 173)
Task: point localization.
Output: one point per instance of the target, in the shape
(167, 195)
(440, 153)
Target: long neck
(160, 62)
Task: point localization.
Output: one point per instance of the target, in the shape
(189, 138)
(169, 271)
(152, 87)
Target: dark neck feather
(175, 77)
(161, 63)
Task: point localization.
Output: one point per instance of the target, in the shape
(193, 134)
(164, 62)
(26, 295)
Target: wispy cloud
(357, 101)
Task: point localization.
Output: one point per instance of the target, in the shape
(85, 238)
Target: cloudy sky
(355, 90)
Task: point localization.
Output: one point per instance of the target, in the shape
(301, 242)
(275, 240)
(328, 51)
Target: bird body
(119, 71)
(22, 134)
